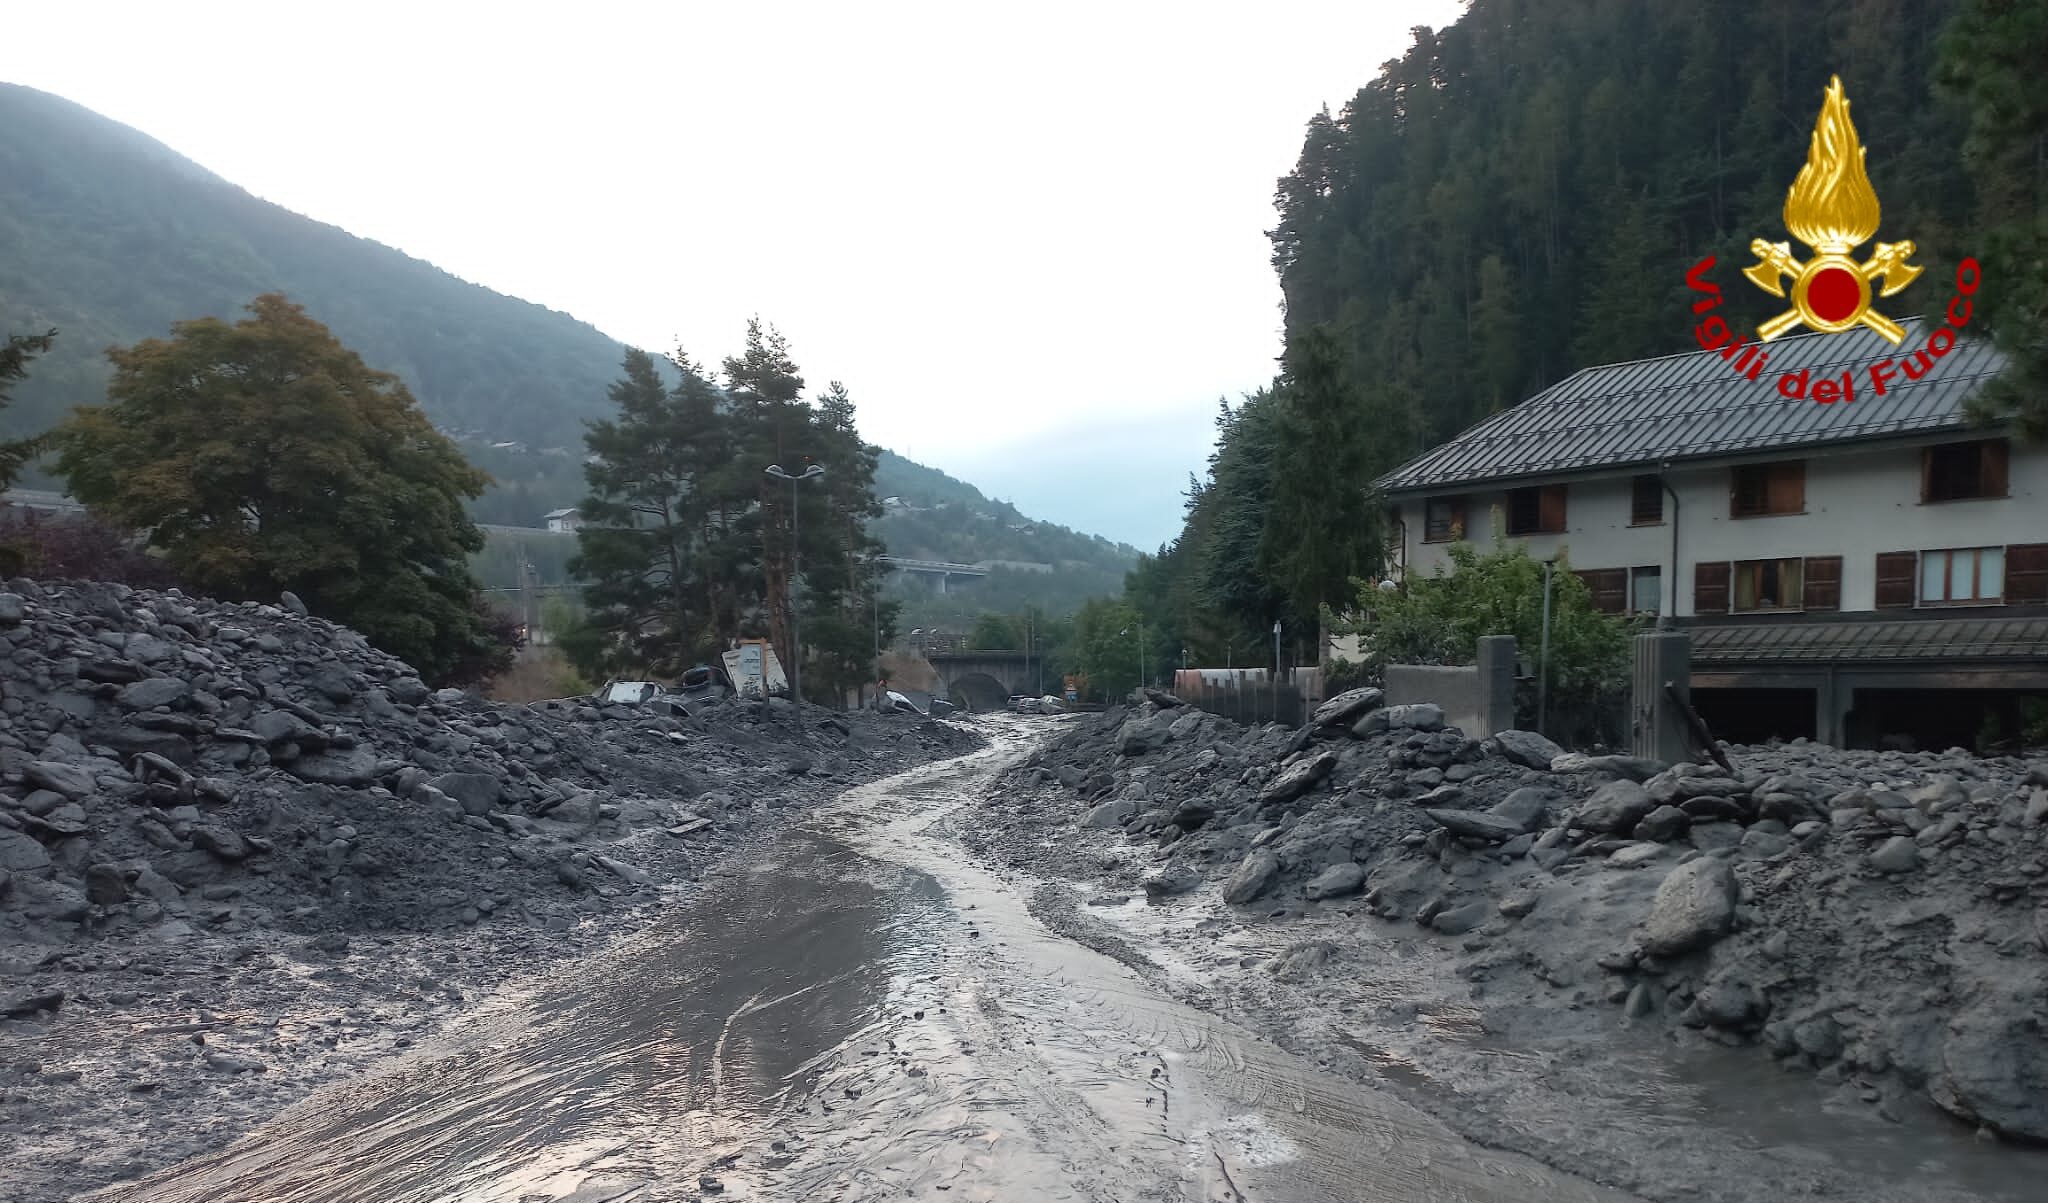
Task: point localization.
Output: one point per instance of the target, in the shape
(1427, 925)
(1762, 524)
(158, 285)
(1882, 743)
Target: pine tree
(14, 357)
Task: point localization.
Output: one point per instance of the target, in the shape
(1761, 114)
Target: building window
(1645, 590)
(1962, 471)
(1967, 574)
(1762, 489)
(1443, 519)
(1768, 585)
(1537, 510)
(1646, 502)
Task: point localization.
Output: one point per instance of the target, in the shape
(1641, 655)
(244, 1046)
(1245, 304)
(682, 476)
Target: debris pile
(1880, 918)
(170, 765)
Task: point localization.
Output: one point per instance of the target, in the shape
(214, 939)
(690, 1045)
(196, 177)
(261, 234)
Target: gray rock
(2037, 808)
(1730, 1001)
(223, 842)
(1714, 836)
(1615, 806)
(1662, 825)
(351, 767)
(1819, 1037)
(1254, 876)
(1192, 814)
(1477, 824)
(282, 726)
(1635, 768)
(407, 691)
(13, 609)
(1899, 854)
(1145, 735)
(581, 810)
(21, 854)
(1418, 716)
(151, 692)
(71, 780)
(1994, 1065)
(1457, 920)
(478, 793)
(1335, 882)
(1345, 708)
(1695, 905)
(1169, 881)
(1297, 779)
(29, 1002)
(1374, 722)
(105, 885)
(1527, 748)
(1758, 844)
(290, 601)
(1109, 814)
(1525, 806)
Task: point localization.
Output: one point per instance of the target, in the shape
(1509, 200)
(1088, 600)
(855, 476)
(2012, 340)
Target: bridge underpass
(987, 680)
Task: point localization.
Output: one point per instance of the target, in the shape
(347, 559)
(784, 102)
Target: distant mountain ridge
(110, 236)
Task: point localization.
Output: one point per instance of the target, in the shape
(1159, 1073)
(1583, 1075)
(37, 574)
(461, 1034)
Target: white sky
(1029, 239)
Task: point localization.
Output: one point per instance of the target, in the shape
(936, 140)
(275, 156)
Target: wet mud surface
(860, 1013)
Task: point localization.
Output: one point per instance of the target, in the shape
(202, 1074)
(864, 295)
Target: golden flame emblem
(1832, 208)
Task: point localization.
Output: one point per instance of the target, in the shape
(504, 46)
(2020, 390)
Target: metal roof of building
(1693, 406)
(1868, 642)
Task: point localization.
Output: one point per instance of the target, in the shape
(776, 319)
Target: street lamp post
(1276, 670)
(796, 645)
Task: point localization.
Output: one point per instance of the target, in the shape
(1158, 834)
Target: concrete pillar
(1656, 729)
(1833, 701)
(1496, 684)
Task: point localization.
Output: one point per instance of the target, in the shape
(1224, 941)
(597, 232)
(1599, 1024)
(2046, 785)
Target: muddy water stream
(859, 1015)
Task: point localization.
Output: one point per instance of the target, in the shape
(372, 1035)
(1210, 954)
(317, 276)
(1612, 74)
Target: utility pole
(1543, 657)
(796, 644)
(1276, 670)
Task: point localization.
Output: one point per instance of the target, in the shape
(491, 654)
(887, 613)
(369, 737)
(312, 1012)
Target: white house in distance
(563, 522)
(1848, 571)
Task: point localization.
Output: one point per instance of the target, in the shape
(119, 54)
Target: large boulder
(1694, 906)
(70, 780)
(350, 767)
(1346, 707)
(1616, 806)
(1335, 882)
(21, 854)
(1254, 876)
(1418, 716)
(1146, 734)
(1524, 806)
(152, 692)
(1994, 1064)
(1527, 748)
(1477, 824)
(1297, 779)
(478, 793)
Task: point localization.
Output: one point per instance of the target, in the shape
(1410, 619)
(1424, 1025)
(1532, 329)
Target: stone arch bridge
(987, 680)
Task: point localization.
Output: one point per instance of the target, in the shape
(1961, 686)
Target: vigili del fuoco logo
(1833, 209)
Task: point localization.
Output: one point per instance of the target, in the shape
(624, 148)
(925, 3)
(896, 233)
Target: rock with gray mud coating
(1695, 906)
(1297, 779)
(1994, 1064)
(1335, 882)
(1476, 824)
(1457, 920)
(1170, 880)
(1346, 707)
(1527, 748)
(1899, 854)
(1254, 876)
(1524, 806)
(1418, 716)
(1616, 806)
(1635, 768)
(1109, 814)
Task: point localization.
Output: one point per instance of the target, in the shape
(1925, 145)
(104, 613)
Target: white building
(1833, 562)
(563, 522)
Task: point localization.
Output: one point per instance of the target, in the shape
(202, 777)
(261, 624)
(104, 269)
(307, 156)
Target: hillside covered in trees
(1520, 195)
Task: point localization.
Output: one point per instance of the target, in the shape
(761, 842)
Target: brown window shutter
(1788, 488)
(1457, 518)
(1551, 501)
(1609, 587)
(1823, 583)
(1926, 475)
(1895, 573)
(1710, 587)
(2026, 573)
(1993, 476)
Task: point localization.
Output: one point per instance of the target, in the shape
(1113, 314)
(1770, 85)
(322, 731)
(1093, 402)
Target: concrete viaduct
(988, 680)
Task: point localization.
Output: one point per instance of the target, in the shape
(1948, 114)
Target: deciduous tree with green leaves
(263, 455)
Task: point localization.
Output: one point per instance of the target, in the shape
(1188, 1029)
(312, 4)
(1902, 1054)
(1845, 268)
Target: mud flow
(860, 1015)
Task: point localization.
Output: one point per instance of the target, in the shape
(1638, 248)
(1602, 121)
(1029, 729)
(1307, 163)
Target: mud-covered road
(862, 1014)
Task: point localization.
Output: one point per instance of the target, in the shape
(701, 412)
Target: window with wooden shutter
(1443, 519)
(2026, 573)
(1963, 471)
(1895, 573)
(1823, 583)
(1646, 501)
(1609, 587)
(1759, 490)
(1710, 587)
(1536, 510)
(1767, 585)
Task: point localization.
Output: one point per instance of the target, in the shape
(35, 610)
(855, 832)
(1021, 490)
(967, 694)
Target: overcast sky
(1029, 238)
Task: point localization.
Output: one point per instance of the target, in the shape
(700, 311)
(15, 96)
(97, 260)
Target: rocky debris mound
(171, 766)
(1879, 918)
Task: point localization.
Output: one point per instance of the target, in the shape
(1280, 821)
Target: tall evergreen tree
(14, 357)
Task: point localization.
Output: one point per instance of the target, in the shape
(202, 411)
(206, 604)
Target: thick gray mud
(859, 1014)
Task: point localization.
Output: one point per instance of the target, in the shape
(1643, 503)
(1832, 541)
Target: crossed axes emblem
(1775, 260)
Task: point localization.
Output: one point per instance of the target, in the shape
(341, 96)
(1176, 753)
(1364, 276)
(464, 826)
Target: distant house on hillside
(563, 522)
(1846, 570)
